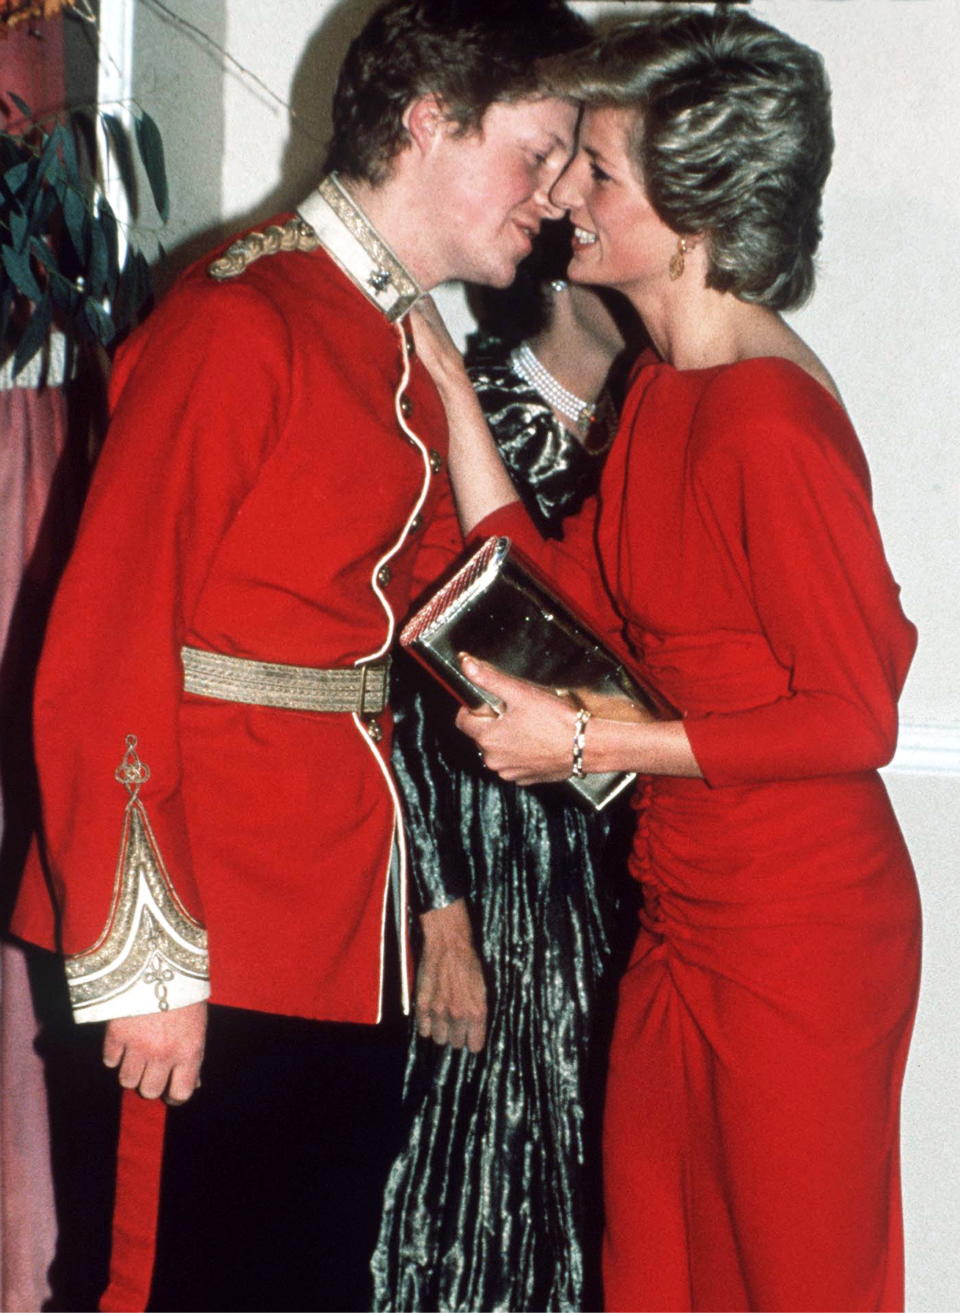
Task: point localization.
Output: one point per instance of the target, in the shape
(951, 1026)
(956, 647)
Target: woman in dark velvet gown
(494, 1200)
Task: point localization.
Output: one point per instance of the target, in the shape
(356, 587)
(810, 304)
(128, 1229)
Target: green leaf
(19, 229)
(16, 179)
(64, 294)
(56, 163)
(101, 325)
(34, 335)
(108, 225)
(99, 264)
(77, 219)
(68, 151)
(17, 265)
(82, 128)
(122, 307)
(150, 145)
(41, 250)
(33, 184)
(62, 290)
(134, 290)
(43, 209)
(50, 155)
(21, 105)
(6, 301)
(123, 155)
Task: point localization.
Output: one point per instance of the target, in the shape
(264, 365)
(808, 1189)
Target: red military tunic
(270, 488)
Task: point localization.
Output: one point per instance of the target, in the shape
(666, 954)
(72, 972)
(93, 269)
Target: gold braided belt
(362, 689)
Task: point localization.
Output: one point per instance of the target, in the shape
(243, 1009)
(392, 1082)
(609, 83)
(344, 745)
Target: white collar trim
(347, 235)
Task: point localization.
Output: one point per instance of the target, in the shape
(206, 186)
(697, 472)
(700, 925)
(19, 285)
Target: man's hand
(451, 996)
(158, 1054)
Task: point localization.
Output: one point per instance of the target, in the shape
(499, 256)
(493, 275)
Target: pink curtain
(32, 432)
(32, 441)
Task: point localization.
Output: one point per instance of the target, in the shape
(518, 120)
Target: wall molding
(927, 750)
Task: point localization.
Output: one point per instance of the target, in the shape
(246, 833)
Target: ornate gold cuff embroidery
(152, 951)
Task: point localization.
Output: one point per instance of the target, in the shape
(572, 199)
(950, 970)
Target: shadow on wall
(310, 99)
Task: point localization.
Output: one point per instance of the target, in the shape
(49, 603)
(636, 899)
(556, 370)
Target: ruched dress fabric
(752, 1119)
(494, 1201)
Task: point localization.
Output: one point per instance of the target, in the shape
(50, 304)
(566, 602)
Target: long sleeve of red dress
(784, 493)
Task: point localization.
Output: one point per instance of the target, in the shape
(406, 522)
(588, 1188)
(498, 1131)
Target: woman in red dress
(751, 1145)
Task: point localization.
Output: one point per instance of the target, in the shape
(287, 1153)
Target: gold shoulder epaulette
(294, 235)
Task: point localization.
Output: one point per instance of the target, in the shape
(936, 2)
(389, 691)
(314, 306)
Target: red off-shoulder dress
(752, 1124)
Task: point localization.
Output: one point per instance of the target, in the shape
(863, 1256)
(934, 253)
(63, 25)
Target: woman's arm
(480, 481)
(782, 486)
(450, 993)
(531, 742)
(484, 490)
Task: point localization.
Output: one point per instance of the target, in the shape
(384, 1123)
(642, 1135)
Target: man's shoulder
(280, 284)
(294, 307)
(266, 261)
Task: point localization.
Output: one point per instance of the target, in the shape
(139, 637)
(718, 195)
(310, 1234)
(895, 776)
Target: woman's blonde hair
(732, 138)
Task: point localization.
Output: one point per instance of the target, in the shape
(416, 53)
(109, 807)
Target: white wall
(178, 78)
(885, 318)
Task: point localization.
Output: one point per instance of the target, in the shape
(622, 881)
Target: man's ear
(425, 119)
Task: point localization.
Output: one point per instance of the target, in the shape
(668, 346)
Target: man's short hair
(469, 53)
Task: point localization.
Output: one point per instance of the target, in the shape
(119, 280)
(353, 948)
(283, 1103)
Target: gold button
(436, 464)
(373, 728)
(384, 575)
(416, 523)
(406, 406)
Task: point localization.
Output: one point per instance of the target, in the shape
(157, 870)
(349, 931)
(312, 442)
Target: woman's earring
(677, 263)
(558, 285)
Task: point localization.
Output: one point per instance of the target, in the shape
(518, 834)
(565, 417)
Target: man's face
(490, 188)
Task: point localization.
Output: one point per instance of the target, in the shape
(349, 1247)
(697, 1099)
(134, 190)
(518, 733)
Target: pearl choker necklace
(579, 412)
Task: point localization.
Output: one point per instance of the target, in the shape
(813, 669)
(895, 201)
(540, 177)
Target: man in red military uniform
(219, 817)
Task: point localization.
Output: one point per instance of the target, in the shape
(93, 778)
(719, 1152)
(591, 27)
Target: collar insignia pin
(379, 280)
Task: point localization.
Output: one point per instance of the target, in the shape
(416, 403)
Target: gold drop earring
(677, 262)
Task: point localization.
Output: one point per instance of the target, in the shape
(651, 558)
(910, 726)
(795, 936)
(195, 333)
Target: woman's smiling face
(619, 240)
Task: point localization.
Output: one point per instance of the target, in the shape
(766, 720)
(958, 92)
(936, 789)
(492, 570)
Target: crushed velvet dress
(751, 1152)
(494, 1202)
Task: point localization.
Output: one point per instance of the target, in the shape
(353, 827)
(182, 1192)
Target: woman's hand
(531, 740)
(437, 349)
(451, 994)
(480, 482)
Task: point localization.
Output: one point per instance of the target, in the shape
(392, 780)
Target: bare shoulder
(779, 341)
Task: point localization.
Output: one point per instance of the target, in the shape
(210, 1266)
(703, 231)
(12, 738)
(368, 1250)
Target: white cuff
(141, 996)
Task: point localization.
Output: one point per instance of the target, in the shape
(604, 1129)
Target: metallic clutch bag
(496, 608)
